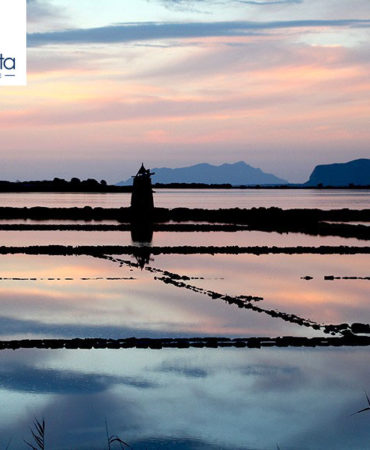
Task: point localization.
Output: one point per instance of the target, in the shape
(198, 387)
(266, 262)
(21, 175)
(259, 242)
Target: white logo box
(13, 43)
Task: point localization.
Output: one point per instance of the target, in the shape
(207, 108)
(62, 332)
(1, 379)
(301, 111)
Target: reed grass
(38, 435)
(114, 439)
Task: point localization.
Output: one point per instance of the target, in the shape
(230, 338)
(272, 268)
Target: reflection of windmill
(141, 233)
(143, 258)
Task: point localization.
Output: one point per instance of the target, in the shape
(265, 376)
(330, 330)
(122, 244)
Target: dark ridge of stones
(98, 251)
(124, 227)
(85, 213)
(260, 216)
(244, 301)
(308, 221)
(361, 232)
(266, 216)
(241, 301)
(175, 276)
(184, 343)
(69, 279)
(360, 328)
(342, 230)
(332, 278)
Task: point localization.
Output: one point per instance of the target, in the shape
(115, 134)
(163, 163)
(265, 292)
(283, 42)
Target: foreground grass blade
(38, 434)
(111, 439)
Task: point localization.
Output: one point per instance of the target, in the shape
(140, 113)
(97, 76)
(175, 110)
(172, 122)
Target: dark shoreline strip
(183, 343)
(179, 250)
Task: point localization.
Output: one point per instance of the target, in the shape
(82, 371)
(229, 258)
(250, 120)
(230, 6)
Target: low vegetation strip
(183, 343)
(179, 250)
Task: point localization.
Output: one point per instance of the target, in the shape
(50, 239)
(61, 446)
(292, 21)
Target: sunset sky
(282, 85)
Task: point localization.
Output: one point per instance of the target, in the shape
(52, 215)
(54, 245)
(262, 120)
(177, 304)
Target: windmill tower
(142, 203)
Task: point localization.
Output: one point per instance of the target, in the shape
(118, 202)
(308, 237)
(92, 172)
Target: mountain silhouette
(236, 174)
(356, 172)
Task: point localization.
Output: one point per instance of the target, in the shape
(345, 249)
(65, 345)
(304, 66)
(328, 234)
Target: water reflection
(63, 297)
(278, 279)
(183, 399)
(191, 399)
(159, 238)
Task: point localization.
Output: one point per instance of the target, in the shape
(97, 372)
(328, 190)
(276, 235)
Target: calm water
(212, 199)
(198, 399)
(189, 399)
(240, 238)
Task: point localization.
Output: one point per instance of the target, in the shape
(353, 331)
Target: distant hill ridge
(236, 174)
(356, 172)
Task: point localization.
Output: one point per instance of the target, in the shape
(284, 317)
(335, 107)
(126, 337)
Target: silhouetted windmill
(142, 203)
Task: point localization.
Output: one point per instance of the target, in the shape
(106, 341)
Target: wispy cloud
(190, 4)
(95, 111)
(39, 11)
(269, 3)
(130, 32)
(43, 16)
